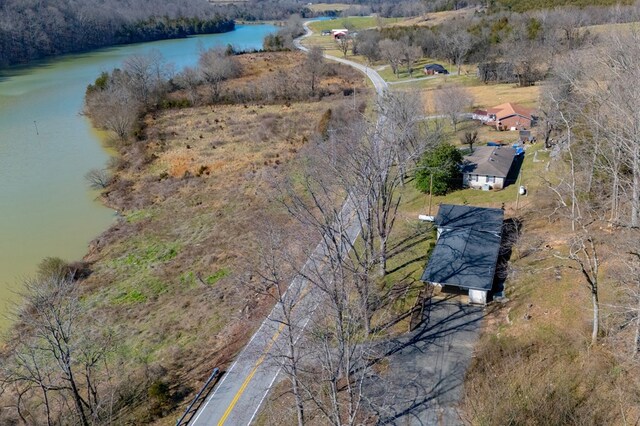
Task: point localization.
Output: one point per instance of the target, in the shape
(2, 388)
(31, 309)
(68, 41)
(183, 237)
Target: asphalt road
(242, 389)
(378, 82)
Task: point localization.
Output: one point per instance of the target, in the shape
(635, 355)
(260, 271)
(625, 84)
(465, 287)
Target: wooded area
(32, 30)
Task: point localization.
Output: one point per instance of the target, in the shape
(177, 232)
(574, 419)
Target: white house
(488, 167)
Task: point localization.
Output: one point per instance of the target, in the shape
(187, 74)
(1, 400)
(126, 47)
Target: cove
(46, 148)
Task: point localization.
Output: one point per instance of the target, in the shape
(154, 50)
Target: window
(491, 179)
(473, 178)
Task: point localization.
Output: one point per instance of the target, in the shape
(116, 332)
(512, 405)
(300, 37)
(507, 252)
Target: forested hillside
(33, 29)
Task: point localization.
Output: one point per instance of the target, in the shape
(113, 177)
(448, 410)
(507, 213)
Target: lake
(46, 148)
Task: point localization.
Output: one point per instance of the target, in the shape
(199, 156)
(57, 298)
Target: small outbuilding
(339, 33)
(488, 167)
(434, 69)
(467, 250)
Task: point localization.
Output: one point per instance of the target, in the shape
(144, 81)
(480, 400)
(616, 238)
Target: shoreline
(16, 68)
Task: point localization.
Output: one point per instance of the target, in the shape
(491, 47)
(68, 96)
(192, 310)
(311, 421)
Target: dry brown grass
(196, 195)
(437, 18)
(533, 364)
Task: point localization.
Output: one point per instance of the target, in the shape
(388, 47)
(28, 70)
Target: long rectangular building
(466, 253)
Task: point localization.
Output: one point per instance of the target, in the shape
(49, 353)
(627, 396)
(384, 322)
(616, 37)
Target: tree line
(31, 30)
(508, 46)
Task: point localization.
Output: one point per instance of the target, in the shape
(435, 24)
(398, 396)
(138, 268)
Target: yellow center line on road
(237, 396)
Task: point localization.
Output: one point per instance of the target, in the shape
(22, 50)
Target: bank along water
(46, 148)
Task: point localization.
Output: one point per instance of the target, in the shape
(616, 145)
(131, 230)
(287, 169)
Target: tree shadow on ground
(426, 367)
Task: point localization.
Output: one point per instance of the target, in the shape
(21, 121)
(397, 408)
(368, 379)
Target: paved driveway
(427, 367)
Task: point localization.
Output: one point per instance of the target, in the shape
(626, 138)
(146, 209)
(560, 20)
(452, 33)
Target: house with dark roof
(466, 253)
(488, 167)
(507, 117)
(433, 69)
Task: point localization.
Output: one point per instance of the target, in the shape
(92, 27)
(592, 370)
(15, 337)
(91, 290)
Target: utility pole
(430, 192)
(518, 185)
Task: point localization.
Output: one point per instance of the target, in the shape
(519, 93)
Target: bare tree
(470, 138)
(584, 254)
(314, 65)
(344, 42)
(114, 109)
(452, 101)
(411, 53)
(145, 76)
(98, 178)
(456, 44)
(287, 317)
(215, 67)
(57, 352)
(189, 80)
(391, 51)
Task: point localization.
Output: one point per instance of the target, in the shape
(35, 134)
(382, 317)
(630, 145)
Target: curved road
(378, 82)
(241, 391)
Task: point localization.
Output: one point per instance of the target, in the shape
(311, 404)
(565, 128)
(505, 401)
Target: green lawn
(418, 203)
(352, 23)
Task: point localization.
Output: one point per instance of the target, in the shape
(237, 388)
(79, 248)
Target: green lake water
(46, 147)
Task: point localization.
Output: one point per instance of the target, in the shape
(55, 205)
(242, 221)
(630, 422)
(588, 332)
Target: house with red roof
(507, 116)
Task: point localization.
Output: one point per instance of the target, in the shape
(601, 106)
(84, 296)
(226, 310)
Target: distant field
(437, 18)
(353, 23)
(607, 28)
(485, 95)
(323, 7)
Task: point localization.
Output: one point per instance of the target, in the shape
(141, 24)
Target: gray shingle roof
(489, 161)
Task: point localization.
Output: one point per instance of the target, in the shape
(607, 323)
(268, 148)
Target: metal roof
(464, 258)
(485, 219)
(468, 246)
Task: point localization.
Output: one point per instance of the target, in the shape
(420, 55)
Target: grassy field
(323, 7)
(353, 23)
(484, 95)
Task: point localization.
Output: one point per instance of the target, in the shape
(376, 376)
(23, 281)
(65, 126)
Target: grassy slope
(168, 276)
